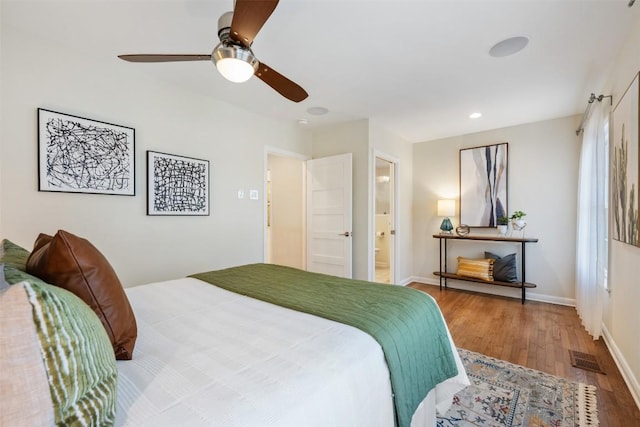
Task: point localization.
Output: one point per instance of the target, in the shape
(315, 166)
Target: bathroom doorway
(384, 222)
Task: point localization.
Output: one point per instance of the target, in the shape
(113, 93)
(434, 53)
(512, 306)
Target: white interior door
(329, 209)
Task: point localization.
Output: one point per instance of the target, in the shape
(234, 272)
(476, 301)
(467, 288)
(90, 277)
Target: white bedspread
(208, 357)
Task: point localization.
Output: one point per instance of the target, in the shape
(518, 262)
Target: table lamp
(446, 208)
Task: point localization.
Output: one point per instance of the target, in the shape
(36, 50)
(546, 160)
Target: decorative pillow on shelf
(505, 268)
(73, 263)
(55, 358)
(476, 268)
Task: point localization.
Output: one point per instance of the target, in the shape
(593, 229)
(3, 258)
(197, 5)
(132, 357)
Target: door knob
(346, 234)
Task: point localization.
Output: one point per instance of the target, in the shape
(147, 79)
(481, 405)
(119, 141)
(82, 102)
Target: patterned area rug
(503, 394)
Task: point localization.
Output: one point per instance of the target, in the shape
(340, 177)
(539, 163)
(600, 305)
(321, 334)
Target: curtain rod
(591, 100)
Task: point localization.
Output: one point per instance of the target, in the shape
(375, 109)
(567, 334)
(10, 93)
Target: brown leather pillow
(73, 263)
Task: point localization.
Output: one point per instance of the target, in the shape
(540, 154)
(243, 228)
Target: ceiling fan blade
(164, 58)
(280, 83)
(248, 17)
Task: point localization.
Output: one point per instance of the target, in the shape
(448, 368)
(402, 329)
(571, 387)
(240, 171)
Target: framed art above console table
(483, 184)
(444, 274)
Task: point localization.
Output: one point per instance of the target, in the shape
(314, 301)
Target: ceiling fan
(233, 56)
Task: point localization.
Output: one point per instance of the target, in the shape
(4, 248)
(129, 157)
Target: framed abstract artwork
(79, 155)
(624, 166)
(483, 185)
(177, 185)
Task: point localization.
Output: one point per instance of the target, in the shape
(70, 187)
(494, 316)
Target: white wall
(141, 248)
(542, 181)
(622, 316)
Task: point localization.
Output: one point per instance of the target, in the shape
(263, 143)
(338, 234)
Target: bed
(216, 349)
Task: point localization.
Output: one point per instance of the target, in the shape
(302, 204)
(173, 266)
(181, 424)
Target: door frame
(393, 258)
(269, 150)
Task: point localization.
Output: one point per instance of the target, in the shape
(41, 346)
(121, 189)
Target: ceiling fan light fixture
(233, 56)
(236, 64)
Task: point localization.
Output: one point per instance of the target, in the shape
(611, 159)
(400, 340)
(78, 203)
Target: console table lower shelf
(486, 282)
(518, 285)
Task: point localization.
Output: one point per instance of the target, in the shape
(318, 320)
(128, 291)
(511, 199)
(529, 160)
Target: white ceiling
(417, 68)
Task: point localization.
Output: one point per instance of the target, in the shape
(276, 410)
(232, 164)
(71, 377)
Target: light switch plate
(253, 194)
(240, 194)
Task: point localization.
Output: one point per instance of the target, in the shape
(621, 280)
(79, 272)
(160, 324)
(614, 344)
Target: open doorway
(285, 210)
(384, 228)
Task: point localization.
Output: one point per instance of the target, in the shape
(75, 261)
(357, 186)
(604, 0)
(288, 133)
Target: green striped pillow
(13, 275)
(77, 355)
(12, 255)
(13, 261)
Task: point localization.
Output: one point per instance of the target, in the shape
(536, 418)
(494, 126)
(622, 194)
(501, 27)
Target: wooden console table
(444, 274)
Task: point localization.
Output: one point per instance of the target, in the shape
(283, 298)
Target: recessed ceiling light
(475, 115)
(317, 111)
(508, 46)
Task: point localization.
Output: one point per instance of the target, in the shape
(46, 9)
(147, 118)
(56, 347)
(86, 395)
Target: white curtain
(592, 230)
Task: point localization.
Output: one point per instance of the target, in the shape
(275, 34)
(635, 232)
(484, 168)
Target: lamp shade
(446, 207)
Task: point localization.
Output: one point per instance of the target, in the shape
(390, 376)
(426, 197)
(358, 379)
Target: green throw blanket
(406, 323)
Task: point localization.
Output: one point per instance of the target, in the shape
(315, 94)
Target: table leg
(524, 279)
(445, 261)
(440, 262)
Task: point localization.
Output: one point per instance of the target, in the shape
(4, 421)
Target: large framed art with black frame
(483, 184)
(177, 185)
(79, 155)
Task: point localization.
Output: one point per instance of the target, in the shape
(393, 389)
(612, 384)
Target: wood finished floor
(539, 336)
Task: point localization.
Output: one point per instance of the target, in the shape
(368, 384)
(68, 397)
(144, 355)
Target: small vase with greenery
(517, 215)
(503, 225)
(517, 220)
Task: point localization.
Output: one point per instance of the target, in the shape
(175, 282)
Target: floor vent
(585, 361)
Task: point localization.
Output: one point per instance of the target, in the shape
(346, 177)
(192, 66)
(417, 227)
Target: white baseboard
(405, 281)
(621, 363)
(496, 290)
